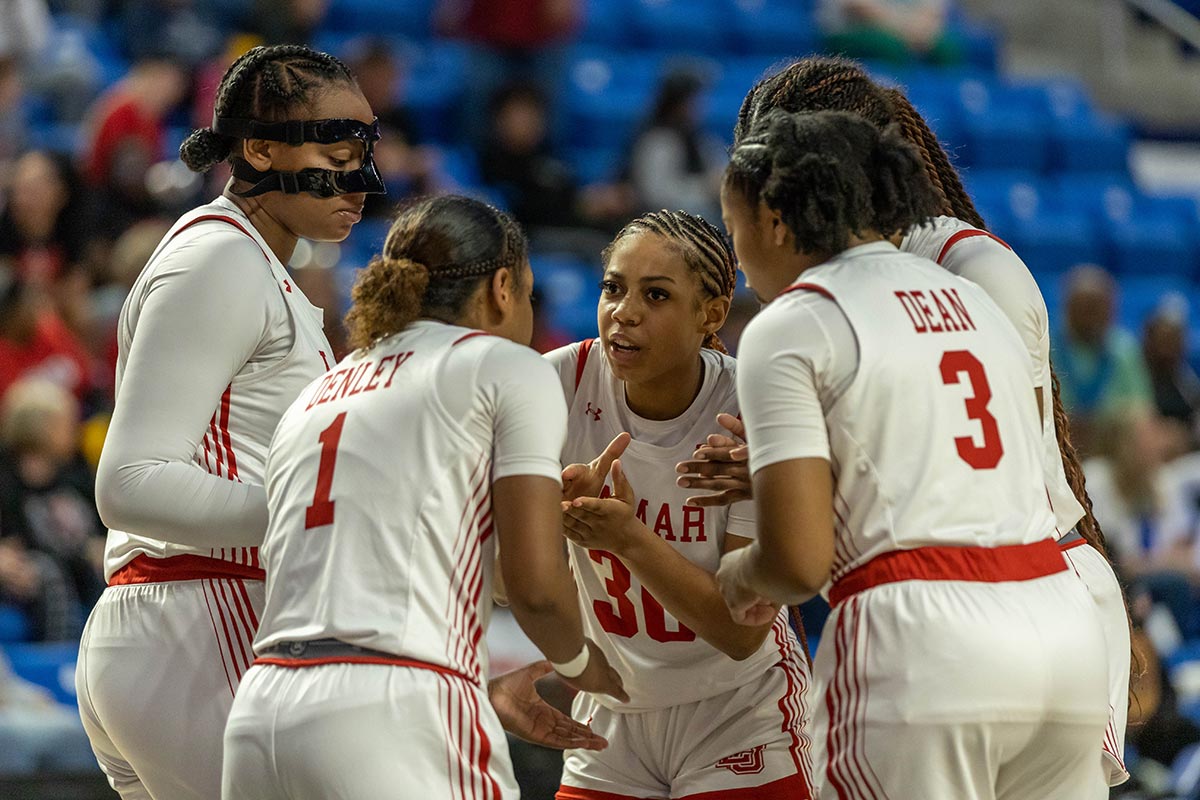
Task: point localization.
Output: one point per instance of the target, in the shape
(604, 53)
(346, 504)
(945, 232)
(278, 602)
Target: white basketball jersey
(936, 440)
(661, 661)
(979, 257)
(234, 446)
(381, 501)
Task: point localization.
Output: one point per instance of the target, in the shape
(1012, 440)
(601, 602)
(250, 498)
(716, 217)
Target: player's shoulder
(562, 358)
(724, 367)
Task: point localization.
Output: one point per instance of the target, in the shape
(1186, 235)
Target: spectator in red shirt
(35, 342)
(126, 134)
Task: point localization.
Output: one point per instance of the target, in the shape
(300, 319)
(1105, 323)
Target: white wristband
(575, 667)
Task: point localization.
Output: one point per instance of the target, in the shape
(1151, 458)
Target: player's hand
(720, 465)
(586, 480)
(608, 524)
(746, 606)
(524, 713)
(599, 677)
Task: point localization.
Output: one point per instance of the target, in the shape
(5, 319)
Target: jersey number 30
(619, 617)
(986, 456)
(320, 511)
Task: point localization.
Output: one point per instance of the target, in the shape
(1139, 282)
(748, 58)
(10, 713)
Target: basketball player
(959, 242)
(391, 482)
(716, 709)
(215, 342)
(895, 451)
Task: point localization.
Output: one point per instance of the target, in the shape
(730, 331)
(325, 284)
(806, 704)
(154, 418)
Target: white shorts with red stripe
(364, 731)
(751, 743)
(158, 667)
(1097, 575)
(977, 688)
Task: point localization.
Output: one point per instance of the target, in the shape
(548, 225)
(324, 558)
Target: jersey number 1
(985, 456)
(320, 511)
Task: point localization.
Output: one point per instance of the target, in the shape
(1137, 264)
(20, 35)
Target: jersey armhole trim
(809, 287)
(470, 335)
(968, 234)
(223, 218)
(585, 347)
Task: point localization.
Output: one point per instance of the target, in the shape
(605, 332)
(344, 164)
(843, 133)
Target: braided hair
(830, 175)
(818, 84)
(704, 250)
(437, 253)
(268, 84)
(834, 84)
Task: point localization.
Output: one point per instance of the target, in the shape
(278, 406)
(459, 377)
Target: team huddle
(303, 555)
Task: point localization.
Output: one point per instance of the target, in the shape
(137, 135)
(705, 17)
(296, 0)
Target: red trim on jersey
(585, 347)
(791, 706)
(226, 399)
(470, 335)
(968, 234)
(223, 218)
(808, 287)
(1071, 545)
(391, 661)
(1017, 562)
(145, 569)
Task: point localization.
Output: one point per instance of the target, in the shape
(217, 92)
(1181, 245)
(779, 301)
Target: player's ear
(257, 153)
(502, 287)
(716, 309)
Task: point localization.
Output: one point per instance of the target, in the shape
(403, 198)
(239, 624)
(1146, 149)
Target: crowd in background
(78, 223)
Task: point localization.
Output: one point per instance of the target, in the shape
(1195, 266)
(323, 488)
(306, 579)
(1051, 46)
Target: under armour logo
(287, 287)
(593, 411)
(747, 762)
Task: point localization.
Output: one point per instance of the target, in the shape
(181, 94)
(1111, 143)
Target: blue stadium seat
(434, 88)
(1002, 127)
(1140, 296)
(568, 286)
(409, 18)
(607, 96)
(596, 164)
(14, 624)
(51, 665)
(606, 23)
(782, 28)
(694, 26)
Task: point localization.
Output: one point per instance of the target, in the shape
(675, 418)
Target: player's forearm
(552, 624)
(691, 595)
(180, 504)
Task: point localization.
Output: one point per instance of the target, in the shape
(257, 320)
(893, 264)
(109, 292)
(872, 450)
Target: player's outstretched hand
(524, 713)
(720, 465)
(599, 677)
(746, 606)
(604, 524)
(586, 480)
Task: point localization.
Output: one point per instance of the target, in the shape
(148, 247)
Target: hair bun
(204, 148)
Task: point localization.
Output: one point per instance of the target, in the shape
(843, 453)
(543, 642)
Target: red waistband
(145, 569)
(391, 661)
(1017, 562)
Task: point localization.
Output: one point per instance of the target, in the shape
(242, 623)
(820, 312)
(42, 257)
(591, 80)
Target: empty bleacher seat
(409, 18)
(783, 28)
(606, 24)
(694, 26)
(14, 624)
(568, 286)
(51, 665)
(1002, 126)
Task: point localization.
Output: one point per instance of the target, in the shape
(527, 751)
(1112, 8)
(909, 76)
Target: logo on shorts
(747, 762)
(594, 412)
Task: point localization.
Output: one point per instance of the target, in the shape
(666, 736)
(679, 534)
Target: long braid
(268, 84)
(704, 248)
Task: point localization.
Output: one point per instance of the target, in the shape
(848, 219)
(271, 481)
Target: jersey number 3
(619, 617)
(985, 456)
(320, 511)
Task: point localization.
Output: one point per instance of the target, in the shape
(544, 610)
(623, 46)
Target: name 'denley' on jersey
(350, 381)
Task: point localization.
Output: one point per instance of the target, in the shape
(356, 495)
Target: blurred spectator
(37, 734)
(408, 168)
(47, 493)
(1175, 384)
(14, 123)
(45, 225)
(511, 40)
(35, 342)
(539, 188)
(673, 164)
(153, 27)
(1133, 498)
(899, 31)
(26, 29)
(1099, 365)
(126, 132)
(288, 21)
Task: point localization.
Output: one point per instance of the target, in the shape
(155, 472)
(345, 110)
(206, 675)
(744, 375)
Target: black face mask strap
(317, 182)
